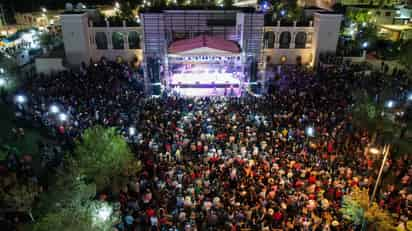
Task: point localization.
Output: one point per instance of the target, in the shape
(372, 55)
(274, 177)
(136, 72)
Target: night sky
(34, 5)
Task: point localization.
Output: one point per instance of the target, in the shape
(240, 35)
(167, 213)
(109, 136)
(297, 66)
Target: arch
(134, 40)
(101, 40)
(118, 40)
(269, 39)
(284, 39)
(300, 40)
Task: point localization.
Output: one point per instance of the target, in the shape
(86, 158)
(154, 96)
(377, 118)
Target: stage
(205, 92)
(204, 78)
(201, 83)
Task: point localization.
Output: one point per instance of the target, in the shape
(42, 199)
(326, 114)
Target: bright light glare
(132, 131)
(27, 37)
(365, 44)
(1, 70)
(282, 12)
(390, 104)
(104, 213)
(62, 117)
(20, 99)
(44, 10)
(2, 82)
(117, 5)
(410, 97)
(310, 131)
(374, 151)
(54, 109)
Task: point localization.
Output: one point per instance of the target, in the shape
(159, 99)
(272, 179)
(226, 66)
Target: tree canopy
(101, 155)
(358, 209)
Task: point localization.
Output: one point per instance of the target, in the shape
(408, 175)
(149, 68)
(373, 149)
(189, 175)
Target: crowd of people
(282, 161)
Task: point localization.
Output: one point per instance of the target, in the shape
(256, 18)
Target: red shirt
(312, 179)
(150, 212)
(278, 216)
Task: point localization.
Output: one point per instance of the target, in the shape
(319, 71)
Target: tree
(88, 216)
(67, 190)
(358, 209)
(406, 55)
(101, 155)
(359, 16)
(228, 3)
(19, 197)
(46, 39)
(368, 114)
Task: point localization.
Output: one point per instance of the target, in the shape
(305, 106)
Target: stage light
(62, 117)
(54, 109)
(20, 99)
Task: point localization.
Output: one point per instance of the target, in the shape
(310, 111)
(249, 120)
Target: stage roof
(204, 41)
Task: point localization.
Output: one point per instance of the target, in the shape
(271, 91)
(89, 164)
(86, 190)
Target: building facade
(169, 42)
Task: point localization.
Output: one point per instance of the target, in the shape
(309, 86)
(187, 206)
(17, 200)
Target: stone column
(292, 42)
(109, 35)
(277, 36)
(126, 40)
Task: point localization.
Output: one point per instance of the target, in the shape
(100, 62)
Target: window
(118, 40)
(300, 40)
(284, 41)
(101, 40)
(134, 40)
(269, 39)
(387, 13)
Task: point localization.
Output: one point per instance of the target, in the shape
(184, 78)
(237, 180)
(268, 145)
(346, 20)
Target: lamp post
(385, 153)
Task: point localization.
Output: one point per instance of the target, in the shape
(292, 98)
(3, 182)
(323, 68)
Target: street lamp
(104, 213)
(374, 151)
(54, 109)
(365, 45)
(2, 82)
(282, 12)
(310, 131)
(385, 157)
(132, 131)
(43, 9)
(62, 117)
(409, 98)
(20, 99)
(390, 104)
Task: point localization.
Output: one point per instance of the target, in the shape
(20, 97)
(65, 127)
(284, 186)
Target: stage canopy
(204, 45)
